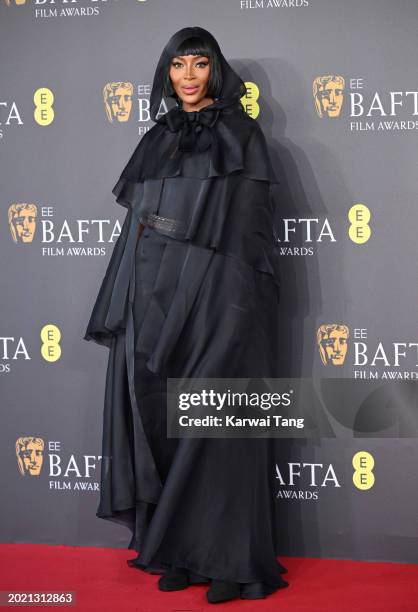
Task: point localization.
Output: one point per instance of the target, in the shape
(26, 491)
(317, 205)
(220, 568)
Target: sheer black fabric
(203, 305)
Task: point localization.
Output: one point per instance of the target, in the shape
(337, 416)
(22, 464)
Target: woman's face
(189, 76)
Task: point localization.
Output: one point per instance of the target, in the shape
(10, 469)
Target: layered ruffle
(226, 190)
(238, 145)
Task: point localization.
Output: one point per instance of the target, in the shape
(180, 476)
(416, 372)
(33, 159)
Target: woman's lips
(190, 90)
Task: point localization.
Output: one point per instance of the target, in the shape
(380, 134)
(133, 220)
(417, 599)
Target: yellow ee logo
(359, 217)
(363, 476)
(249, 101)
(43, 99)
(50, 349)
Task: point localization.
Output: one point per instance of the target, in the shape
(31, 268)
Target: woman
(191, 290)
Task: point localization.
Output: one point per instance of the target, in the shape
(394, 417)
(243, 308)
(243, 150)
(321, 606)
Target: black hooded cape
(212, 314)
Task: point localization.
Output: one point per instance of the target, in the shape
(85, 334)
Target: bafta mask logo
(30, 455)
(22, 221)
(328, 95)
(17, 2)
(332, 339)
(118, 101)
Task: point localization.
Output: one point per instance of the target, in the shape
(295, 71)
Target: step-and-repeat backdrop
(334, 87)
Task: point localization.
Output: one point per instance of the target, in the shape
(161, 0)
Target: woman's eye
(175, 64)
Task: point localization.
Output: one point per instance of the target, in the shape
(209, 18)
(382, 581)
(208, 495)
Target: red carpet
(103, 581)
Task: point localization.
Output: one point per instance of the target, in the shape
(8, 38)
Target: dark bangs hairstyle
(195, 45)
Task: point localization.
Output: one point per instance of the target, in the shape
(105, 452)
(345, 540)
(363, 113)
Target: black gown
(196, 296)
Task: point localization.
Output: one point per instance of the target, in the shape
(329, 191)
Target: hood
(233, 87)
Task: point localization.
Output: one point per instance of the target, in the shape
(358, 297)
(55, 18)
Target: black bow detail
(195, 126)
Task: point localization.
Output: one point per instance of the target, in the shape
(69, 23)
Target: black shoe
(132, 562)
(221, 590)
(174, 579)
